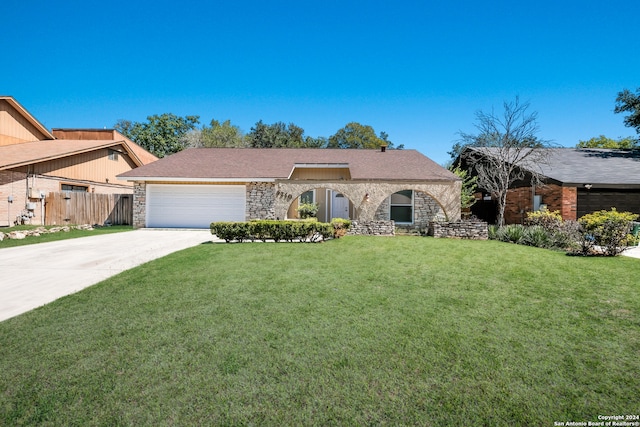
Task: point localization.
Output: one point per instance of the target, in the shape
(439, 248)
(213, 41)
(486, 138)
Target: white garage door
(194, 206)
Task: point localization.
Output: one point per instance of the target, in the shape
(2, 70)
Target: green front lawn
(51, 237)
(356, 331)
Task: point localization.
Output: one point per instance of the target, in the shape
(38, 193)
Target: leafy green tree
(469, 186)
(604, 142)
(356, 135)
(221, 135)
(161, 134)
(628, 102)
(277, 135)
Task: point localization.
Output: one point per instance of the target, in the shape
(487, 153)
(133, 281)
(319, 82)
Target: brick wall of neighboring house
(556, 197)
(519, 202)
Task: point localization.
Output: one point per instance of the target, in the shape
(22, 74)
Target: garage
(194, 206)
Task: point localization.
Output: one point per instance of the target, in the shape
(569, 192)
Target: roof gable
(18, 125)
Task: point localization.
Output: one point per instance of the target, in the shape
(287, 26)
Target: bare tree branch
(505, 150)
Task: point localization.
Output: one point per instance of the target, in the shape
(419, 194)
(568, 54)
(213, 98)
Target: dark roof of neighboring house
(16, 155)
(595, 166)
(274, 163)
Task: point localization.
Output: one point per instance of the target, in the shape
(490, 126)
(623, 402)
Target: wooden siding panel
(14, 128)
(93, 166)
(324, 174)
(84, 134)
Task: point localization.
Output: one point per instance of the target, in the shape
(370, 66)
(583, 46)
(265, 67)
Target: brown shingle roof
(16, 155)
(273, 163)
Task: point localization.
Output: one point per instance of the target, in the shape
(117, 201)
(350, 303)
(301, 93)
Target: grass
(52, 237)
(358, 331)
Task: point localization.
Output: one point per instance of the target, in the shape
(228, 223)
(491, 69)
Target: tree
(221, 135)
(505, 150)
(277, 135)
(627, 102)
(469, 186)
(161, 134)
(604, 142)
(355, 135)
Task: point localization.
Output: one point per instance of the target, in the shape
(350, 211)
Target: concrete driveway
(34, 275)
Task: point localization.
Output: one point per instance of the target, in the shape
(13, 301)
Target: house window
(76, 188)
(307, 197)
(401, 207)
(113, 155)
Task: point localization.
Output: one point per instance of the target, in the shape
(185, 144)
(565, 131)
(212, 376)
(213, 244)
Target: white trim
(329, 202)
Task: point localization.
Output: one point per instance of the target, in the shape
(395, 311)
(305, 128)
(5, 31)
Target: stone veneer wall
(425, 210)
(474, 230)
(139, 204)
(261, 198)
(372, 228)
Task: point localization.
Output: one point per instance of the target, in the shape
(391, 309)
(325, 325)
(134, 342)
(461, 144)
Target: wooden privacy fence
(88, 208)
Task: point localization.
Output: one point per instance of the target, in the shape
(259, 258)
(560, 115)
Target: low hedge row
(287, 231)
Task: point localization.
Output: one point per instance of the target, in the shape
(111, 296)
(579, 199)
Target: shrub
(230, 231)
(492, 231)
(289, 231)
(607, 229)
(340, 226)
(550, 221)
(512, 233)
(568, 237)
(537, 236)
(307, 210)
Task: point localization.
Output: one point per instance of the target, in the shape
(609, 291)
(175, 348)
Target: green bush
(230, 231)
(550, 221)
(289, 231)
(512, 233)
(608, 230)
(307, 210)
(538, 236)
(492, 231)
(601, 233)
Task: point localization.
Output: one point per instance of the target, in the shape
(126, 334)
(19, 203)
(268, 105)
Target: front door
(339, 205)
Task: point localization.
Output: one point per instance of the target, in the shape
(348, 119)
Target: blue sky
(418, 70)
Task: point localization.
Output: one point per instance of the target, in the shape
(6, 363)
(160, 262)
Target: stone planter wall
(475, 230)
(372, 228)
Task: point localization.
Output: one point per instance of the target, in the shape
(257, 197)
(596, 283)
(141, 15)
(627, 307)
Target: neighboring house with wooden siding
(576, 181)
(35, 162)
